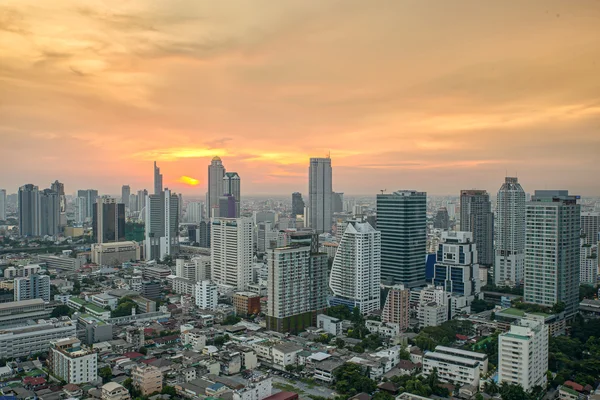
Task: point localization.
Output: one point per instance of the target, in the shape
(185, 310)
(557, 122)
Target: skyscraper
(442, 219)
(337, 204)
(90, 196)
(510, 234)
(232, 187)
(2, 205)
(194, 212)
(297, 204)
(125, 192)
(476, 217)
(158, 180)
(231, 252)
(456, 268)
(355, 278)
(402, 221)
(162, 225)
(59, 188)
(297, 280)
(29, 210)
(228, 207)
(553, 221)
(141, 199)
(109, 220)
(590, 227)
(320, 194)
(49, 221)
(216, 172)
(80, 210)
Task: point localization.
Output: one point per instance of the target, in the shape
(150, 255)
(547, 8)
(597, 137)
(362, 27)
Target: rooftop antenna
(329, 154)
(383, 191)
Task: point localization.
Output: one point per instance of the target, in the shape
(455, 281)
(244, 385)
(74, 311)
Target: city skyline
(99, 91)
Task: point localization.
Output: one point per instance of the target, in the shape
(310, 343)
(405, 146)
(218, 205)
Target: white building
(231, 252)
(552, 250)
(320, 194)
(32, 287)
(162, 225)
(482, 358)
(285, 354)
(115, 253)
(509, 251)
(588, 263)
(434, 306)
(203, 266)
(452, 368)
(523, 353)
(456, 268)
(21, 341)
(206, 295)
(193, 212)
(385, 329)
(72, 362)
(355, 277)
(590, 226)
(114, 391)
(104, 300)
(329, 324)
(256, 390)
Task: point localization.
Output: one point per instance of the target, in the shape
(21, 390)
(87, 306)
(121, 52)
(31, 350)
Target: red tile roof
(133, 354)
(574, 385)
(28, 380)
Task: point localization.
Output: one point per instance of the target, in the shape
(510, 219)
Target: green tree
(513, 392)
(61, 311)
(231, 319)
(106, 374)
(380, 395)
(170, 390)
(351, 379)
(339, 343)
(143, 350)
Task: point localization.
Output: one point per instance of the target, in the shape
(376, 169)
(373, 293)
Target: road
(314, 390)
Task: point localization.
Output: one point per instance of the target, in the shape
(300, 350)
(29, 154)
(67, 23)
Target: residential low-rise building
(64, 263)
(72, 362)
(329, 324)
(452, 368)
(32, 287)
(17, 312)
(26, 340)
(147, 378)
(114, 391)
(285, 354)
(246, 303)
(385, 329)
(104, 300)
(482, 358)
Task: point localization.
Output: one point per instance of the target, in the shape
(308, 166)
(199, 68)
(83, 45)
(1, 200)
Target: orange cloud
(188, 181)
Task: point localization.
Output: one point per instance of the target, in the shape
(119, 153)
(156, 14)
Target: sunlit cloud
(178, 153)
(188, 181)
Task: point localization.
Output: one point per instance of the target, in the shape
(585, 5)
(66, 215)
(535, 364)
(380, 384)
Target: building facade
(320, 194)
(355, 278)
(216, 173)
(25, 340)
(109, 220)
(206, 295)
(90, 196)
(231, 252)
(402, 221)
(590, 227)
(162, 225)
(32, 287)
(232, 187)
(115, 253)
(147, 378)
(297, 204)
(456, 268)
(552, 244)
(476, 217)
(396, 308)
(72, 362)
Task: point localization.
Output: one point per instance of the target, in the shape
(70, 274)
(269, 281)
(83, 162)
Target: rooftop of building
(22, 303)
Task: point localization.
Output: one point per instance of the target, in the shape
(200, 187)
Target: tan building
(73, 231)
(396, 308)
(246, 303)
(147, 378)
(115, 253)
(114, 391)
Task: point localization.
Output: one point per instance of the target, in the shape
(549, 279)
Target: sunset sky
(430, 95)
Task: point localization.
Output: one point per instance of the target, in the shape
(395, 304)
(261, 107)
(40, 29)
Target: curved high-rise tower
(510, 234)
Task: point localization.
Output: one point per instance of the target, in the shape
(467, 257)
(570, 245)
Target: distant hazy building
(510, 234)
(216, 173)
(59, 188)
(355, 278)
(125, 192)
(32, 287)
(2, 205)
(588, 263)
(476, 217)
(297, 204)
(162, 225)
(402, 221)
(590, 227)
(297, 290)
(158, 180)
(109, 220)
(80, 210)
(337, 205)
(49, 220)
(90, 195)
(141, 199)
(396, 308)
(29, 210)
(115, 253)
(232, 187)
(320, 194)
(228, 207)
(442, 219)
(552, 244)
(231, 252)
(194, 212)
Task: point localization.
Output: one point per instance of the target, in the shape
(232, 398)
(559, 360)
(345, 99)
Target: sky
(429, 95)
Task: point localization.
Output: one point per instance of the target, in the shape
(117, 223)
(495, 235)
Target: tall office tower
(337, 204)
(396, 308)
(402, 221)
(132, 202)
(232, 187)
(193, 213)
(216, 172)
(588, 263)
(523, 353)
(91, 196)
(510, 234)
(297, 204)
(553, 222)
(158, 180)
(80, 210)
(320, 194)
(141, 199)
(476, 217)
(456, 268)
(297, 279)
(355, 278)
(49, 212)
(180, 206)
(109, 220)
(590, 227)
(32, 287)
(228, 207)
(125, 192)
(162, 225)
(29, 210)
(2, 205)
(442, 219)
(62, 199)
(231, 252)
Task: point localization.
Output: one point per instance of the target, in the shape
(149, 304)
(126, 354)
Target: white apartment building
(72, 362)
(385, 329)
(434, 306)
(231, 252)
(355, 277)
(452, 368)
(256, 390)
(25, 271)
(590, 226)
(32, 287)
(588, 263)
(206, 295)
(183, 286)
(552, 244)
(482, 358)
(104, 300)
(114, 391)
(456, 268)
(285, 354)
(510, 234)
(329, 324)
(203, 266)
(25, 340)
(523, 353)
